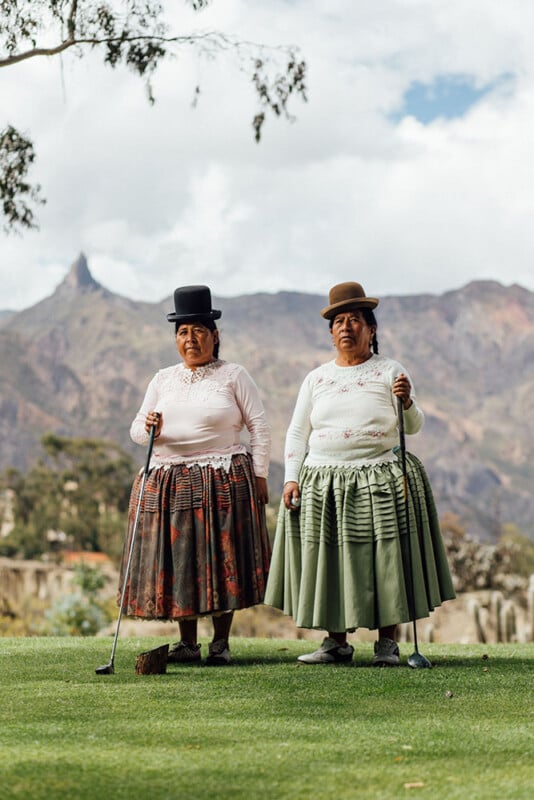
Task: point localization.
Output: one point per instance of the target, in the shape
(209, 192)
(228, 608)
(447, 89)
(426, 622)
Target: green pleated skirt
(341, 561)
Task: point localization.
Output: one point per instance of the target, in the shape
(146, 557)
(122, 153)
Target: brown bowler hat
(346, 296)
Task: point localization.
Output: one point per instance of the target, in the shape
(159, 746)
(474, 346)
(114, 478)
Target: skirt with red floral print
(201, 545)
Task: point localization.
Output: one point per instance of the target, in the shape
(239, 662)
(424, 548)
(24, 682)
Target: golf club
(109, 669)
(416, 660)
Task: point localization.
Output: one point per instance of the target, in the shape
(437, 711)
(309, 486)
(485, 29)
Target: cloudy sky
(409, 169)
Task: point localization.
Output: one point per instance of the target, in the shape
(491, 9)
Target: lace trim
(187, 375)
(384, 458)
(216, 461)
(215, 376)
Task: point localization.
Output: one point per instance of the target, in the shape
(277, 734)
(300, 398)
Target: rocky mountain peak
(78, 278)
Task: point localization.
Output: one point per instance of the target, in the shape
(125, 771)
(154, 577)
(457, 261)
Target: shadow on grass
(362, 662)
(76, 659)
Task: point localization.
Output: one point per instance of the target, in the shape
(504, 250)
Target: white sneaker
(329, 652)
(386, 653)
(219, 654)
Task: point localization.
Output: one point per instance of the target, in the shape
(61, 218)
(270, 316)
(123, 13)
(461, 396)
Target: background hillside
(78, 362)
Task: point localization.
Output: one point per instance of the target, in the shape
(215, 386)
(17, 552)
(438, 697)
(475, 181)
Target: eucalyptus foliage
(16, 194)
(135, 35)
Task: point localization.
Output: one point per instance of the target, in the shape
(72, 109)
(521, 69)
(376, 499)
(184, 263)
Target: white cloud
(152, 194)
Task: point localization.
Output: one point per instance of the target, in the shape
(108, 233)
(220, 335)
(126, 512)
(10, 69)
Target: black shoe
(184, 653)
(219, 654)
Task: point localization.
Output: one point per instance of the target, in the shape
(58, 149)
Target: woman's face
(195, 343)
(352, 336)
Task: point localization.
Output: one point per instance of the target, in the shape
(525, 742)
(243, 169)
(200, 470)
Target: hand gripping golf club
(109, 669)
(416, 660)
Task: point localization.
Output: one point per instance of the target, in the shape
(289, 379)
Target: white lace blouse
(204, 412)
(347, 416)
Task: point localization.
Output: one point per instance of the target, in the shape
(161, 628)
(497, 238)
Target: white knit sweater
(204, 412)
(347, 416)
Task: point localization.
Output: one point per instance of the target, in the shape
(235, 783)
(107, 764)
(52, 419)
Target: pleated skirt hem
(201, 545)
(351, 557)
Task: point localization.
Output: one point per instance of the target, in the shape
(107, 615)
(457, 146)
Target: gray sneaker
(330, 652)
(386, 653)
(219, 654)
(184, 653)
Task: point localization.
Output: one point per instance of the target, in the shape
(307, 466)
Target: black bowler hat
(192, 302)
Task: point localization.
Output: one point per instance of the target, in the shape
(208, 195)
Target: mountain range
(78, 362)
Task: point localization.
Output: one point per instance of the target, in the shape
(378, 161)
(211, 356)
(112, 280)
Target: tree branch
(211, 36)
(37, 51)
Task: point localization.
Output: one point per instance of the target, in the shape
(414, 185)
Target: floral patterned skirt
(201, 545)
(342, 561)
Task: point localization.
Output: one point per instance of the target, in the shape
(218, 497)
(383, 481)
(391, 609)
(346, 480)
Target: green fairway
(264, 727)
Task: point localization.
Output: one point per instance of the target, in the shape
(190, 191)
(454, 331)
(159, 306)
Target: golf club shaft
(402, 442)
(132, 542)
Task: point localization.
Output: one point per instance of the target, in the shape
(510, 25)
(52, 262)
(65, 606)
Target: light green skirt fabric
(341, 561)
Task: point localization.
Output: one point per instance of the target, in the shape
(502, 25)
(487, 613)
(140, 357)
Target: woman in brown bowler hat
(340, 553)
(202, 546)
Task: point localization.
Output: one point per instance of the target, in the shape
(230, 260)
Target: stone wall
(20, 580)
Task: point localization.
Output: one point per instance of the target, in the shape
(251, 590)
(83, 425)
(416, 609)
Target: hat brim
(174, 317)
(348, 305)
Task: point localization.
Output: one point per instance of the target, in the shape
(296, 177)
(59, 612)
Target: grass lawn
(264, 727)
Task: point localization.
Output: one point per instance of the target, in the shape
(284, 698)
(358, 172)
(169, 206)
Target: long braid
(370, 319)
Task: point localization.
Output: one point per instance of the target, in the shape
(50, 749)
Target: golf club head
(418, 661)
(107, 669)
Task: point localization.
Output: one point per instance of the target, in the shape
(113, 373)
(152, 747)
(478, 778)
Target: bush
(79, 613)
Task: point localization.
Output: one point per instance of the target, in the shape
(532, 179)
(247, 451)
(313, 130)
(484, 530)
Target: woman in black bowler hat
(202, 546)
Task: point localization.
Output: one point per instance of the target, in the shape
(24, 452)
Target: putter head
(107, 669)
(418, 661)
